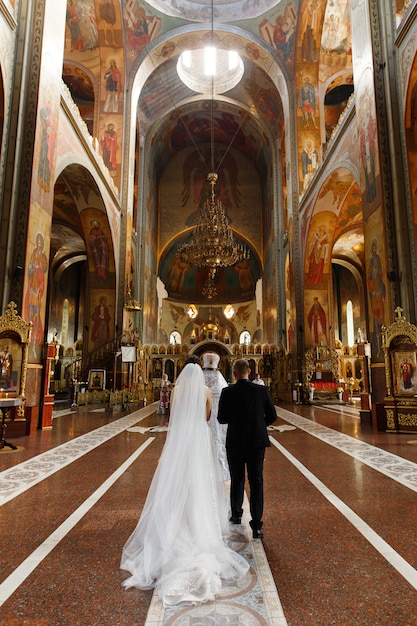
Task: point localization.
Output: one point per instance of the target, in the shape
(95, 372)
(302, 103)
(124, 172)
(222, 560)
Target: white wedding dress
(179, 545)
(216, 382)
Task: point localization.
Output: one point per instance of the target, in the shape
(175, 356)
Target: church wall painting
(111, 85)
(318, 251)
(140, 27)
(279, 31)
(81, 26)
(110, 146)
(366, 108)
(44, 160)
(289, 328)
(271, 333)
(149, 268)
(405, 372)
(238, 188)
(411, 138)
(99, 247)
(36, 279)
(316, 316)
(101, 320)
(376, 281)
(270, 313)
(336, 34)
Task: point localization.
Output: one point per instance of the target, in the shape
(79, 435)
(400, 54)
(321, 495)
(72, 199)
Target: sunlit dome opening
(210, 70)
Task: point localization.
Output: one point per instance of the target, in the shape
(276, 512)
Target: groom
(248, 410)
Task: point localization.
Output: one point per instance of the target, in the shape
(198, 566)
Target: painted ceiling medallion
(224, 10)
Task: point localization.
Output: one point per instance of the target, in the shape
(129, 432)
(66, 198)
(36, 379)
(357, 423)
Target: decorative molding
(10, 19)
(390, 419)
(89, 143)
(30, 82)
(408, 16)
(407, 419)
(379, 53)
(337, 136)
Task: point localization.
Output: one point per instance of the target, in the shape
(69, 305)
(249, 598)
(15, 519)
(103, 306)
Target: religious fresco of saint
(149, 278)
(336, 35)
(110, 146)
(280, 34)
(82, 27)
(318, 255)
(376, 280)
(100, 251)
(36, 277)
(101, 318)
(316, 318)
(44, 156)
(113, 86)
(318, 245)
(140, 27)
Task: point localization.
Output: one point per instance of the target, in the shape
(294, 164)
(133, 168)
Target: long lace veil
(178, 542)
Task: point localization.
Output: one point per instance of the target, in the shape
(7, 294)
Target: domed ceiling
(220, 10)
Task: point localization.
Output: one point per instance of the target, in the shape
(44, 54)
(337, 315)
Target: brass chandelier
(212, 243)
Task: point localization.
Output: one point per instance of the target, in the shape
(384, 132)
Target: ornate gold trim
(399, 328)
(309, 364)
(407, 419)
(390, 418)
(12, 324)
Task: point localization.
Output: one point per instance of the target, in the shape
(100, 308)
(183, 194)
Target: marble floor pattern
(340, 514)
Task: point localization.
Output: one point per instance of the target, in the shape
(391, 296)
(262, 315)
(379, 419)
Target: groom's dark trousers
(248, 410)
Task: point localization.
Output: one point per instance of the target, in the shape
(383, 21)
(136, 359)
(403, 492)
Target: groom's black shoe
(235, 520)
(257, 533)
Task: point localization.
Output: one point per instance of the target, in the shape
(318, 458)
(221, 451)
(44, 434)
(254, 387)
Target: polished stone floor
(340, 524)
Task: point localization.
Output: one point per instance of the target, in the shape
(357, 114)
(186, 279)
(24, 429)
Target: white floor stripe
(25, 475)
(19, 575)
(396, 467)
(401, 565)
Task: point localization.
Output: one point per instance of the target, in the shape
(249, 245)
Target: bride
(178, 545)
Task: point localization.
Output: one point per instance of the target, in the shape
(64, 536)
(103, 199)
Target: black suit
(248, 410)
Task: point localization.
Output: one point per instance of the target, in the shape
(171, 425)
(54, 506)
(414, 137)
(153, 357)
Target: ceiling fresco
(350, 246)
(185, 283)
(163, 92)
(233, 128)
(222, 10)
(280, 42)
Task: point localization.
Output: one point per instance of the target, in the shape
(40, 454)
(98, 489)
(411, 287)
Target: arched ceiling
(219, 10)
(249, 117)
(75, 191)
(280, 43)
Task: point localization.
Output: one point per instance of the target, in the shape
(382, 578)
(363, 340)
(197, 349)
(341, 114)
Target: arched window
(174, 338)
(245, 337)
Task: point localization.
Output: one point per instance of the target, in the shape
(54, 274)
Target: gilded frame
(399, 342)
(14, 328)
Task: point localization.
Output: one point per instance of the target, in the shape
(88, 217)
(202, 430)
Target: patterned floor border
(391, 465)
(23, 476)
(253, 601)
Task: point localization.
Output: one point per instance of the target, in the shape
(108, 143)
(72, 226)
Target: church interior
(234, 176)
